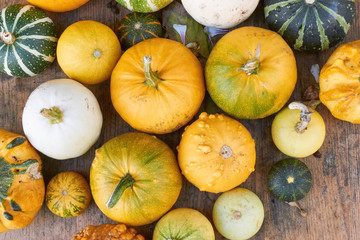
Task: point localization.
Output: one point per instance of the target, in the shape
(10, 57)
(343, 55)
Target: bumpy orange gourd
(58, 5)
(216, 153)
(68, 194)
(108, 231)
(340, 82)
(157, 86)
(22, 186)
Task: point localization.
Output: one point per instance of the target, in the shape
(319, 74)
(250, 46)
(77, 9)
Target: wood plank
(332, 204)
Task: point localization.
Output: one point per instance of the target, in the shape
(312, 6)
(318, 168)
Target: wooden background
(332, 204)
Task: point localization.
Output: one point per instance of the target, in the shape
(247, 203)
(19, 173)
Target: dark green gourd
(310, 25)
(137, 27)
(27, 41)
(289, 180)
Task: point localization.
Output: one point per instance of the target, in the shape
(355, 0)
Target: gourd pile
(159, 85)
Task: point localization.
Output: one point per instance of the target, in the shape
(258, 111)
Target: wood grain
(332, 204)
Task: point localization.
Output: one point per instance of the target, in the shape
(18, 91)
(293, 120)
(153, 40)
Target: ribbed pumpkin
(58, 5)
(289, 180)
(108, 231)
(68, 194)
(28, 41)
(137, 27)
(135, 179)
(251, 73)
(22, 186)
(88, 51)
(184, 224)
(157, 86)
(340, 83)
(216, 153)
(310, 25)
(144, 5)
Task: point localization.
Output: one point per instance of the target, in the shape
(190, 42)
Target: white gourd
(79, 127)
(220, 13)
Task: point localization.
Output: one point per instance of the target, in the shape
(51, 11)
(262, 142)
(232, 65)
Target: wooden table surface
(332, 204)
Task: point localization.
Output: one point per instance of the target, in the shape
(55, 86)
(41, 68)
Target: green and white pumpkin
(27, 41)
(310, 25)
(137, 27)
(144, 5)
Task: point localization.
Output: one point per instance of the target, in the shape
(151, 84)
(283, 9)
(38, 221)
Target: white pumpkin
(220, 13)
(62, 119)
(238, 214)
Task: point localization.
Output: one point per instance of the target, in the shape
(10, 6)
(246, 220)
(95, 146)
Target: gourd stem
(226, 152)
(252, 66)
(305, 116)
(6, 37)
(303, 213)
(125, 182)
(54, 114)
(310, 1)
(152, 78)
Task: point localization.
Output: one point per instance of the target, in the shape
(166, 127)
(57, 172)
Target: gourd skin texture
(257, 95)
(312, 26)
(81, 125)
(174, 101)
(292, 143)
(200, 153)
(144, 5)
(108, 231)
(220, 13)
(238, 214)
(88, 51)
(153, 167)
(35, 39)
(68, 194)
(340, 82)
(58, 5)
(184, 224)
(22, 185)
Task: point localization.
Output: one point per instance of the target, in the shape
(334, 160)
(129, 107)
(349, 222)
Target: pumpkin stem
(125, 182)
(303, 213)
(305, 116)
(252, 66)
(310, 1)
(54, 114)
(152, 78)
(6, 37)
(226, 152)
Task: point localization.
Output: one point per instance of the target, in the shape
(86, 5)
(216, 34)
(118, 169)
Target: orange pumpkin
(340, 83)
(58, 5)
(216, 153)
(22, 186)
(108, 231)
(157, 86)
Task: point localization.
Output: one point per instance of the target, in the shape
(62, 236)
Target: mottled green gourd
(28, 40)
(137, 27)
(144, 5)
(310, 25)
(289, 180)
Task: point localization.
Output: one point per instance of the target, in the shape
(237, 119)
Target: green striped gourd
(289, 180)
(28, 41)
(144, 5)
(137, 27)
(310, 25)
